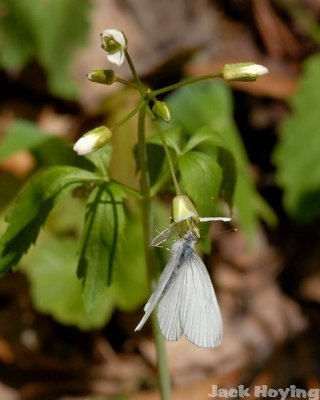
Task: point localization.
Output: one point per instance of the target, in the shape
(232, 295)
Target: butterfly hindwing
(189, 307)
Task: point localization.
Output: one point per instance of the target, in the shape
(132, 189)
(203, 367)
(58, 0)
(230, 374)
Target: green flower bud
(161, 110)
(104, 76)
(246, 72)
(182, 208)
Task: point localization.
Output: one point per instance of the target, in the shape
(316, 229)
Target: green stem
(128, 116)
(164, 378)
(102, 167)
(163, 372)
(160, 183)
(170, 162)
(134, 74)
(186, 82)
(127, 83)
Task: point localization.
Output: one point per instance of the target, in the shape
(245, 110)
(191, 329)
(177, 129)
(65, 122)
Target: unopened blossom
(92, 140)
(248, 71)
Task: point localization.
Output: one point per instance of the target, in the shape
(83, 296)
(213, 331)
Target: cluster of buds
(114, 42)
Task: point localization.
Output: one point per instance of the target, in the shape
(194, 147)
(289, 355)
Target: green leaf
(17, 33)
(297, 154)
(209, 105)
(206, 139)
(173, 138)
(212, 143)
(65, 26)
(200, 177)
(229, 176)
(48, 31)
(48, 149)
(130, 277)
(32, 207)
(55, 289)
(22, 135)
(101, 241)
(157, 166)
(101, 158)
(57, 151)
(9, 185)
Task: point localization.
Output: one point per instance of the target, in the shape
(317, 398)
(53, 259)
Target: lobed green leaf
(32, 208)
(297, 154)
(101, 240)
(55, 289)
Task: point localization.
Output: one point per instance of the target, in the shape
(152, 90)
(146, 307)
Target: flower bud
(182, 208)
(92, 140)
(161, 110)
(247, 71)
(114, 43)
(104, 76)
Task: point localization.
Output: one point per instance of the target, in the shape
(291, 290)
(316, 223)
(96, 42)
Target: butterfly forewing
(166, 279)
(169, 308)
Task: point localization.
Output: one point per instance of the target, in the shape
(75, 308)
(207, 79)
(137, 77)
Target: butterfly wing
(190, 307)
(200, 313)
(165, 281)
(169, 308)
(164, 235)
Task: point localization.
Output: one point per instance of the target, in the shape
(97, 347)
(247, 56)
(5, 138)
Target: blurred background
(266, 274)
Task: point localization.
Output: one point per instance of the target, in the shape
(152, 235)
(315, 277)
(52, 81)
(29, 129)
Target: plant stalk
(128, 116)
(186, 82)
(163, 373)
(170, 162)
(134, 74)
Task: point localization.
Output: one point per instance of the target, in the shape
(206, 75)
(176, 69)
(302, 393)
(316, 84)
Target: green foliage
(55, 289)
(200, 164)
(297, 154)
(130, 281)
(200, 177)
(101, 241)
(51, 270)
(47, 31)
(47, 149)
(22, 135)
(32, 208)
(218, 175)
(9, 185)
(209, 106)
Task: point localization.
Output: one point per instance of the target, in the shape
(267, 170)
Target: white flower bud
(247, 71)
(92, 140)
(114, 43)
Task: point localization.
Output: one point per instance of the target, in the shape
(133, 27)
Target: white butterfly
(187, 301)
